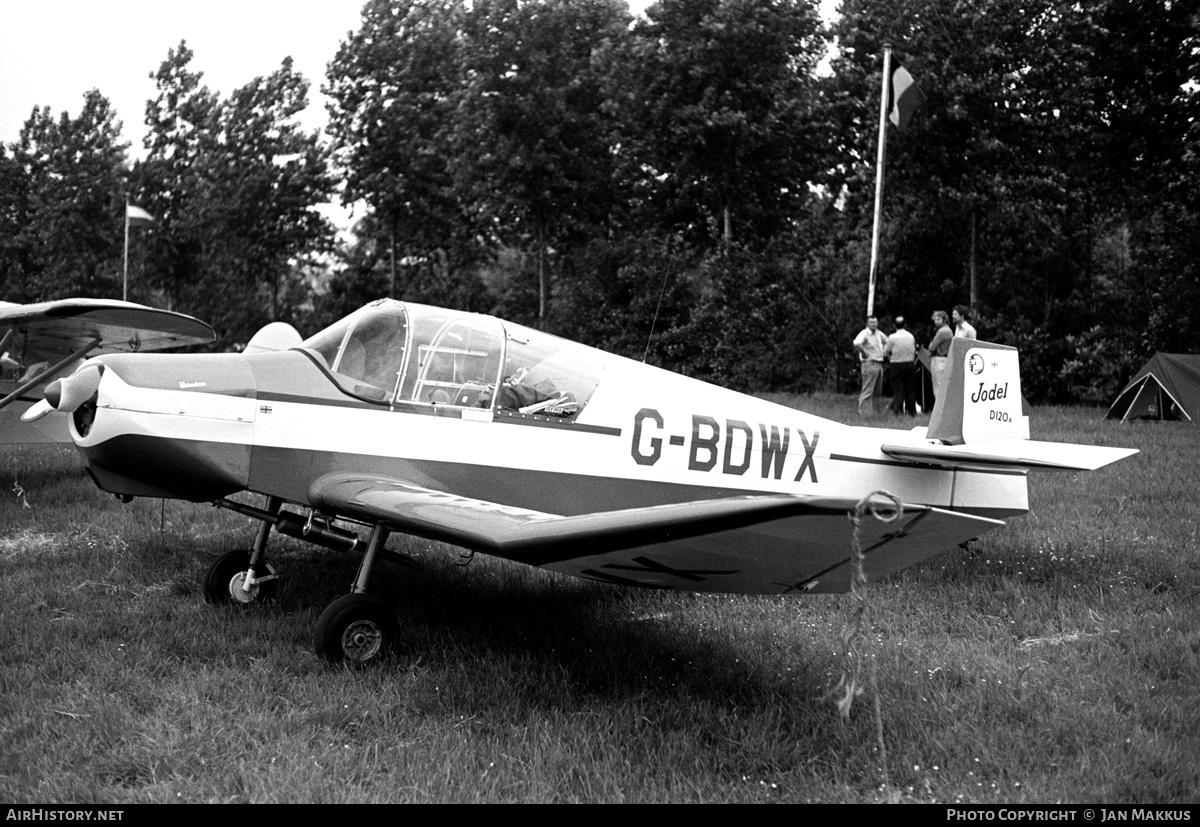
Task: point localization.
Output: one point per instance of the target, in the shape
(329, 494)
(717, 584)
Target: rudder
(981, 397)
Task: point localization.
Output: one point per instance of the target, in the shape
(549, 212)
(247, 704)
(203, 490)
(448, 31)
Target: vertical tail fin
(981, 397)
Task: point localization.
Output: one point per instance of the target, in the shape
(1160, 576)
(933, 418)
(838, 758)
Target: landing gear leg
(244, 576)
(379, 536)
(358, 628)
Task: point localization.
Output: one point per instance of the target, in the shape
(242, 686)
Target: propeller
(67, 394)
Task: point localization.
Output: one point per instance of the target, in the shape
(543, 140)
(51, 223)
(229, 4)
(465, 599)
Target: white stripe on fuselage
(821, 458)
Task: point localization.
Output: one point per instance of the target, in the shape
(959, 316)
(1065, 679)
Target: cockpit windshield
(396, 353)
(365, 350)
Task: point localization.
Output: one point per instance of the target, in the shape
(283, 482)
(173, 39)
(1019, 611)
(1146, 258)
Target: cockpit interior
(418, 357)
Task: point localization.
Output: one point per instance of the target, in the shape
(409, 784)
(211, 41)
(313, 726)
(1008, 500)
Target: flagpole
(883, 112)
(125, 277)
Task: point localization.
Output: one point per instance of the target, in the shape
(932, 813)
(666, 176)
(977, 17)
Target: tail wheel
(356, 629)
(225, 583)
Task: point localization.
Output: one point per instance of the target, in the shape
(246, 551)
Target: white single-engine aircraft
(48, 339)
(466, 429)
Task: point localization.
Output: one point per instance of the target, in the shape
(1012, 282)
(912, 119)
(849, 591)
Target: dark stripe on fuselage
(348, 402)
(931, 466)
(532, 420)
(186, 469)
(450, 411)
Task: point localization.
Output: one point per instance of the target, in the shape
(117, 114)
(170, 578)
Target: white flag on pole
(137, 217)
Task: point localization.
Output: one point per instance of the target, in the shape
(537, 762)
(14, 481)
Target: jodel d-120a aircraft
(48, 339)
(469, 430)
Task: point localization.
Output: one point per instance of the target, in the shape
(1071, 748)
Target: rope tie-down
(886, 508)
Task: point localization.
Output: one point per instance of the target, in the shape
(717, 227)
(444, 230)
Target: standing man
(870, 343)
(939, 349)
(901, 353)
(962, 325)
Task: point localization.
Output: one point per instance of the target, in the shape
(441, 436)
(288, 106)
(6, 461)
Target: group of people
(899, 353)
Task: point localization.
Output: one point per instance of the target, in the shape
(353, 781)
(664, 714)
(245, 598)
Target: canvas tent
(1168, 387)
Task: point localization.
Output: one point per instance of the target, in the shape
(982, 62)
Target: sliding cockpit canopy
(398, 353)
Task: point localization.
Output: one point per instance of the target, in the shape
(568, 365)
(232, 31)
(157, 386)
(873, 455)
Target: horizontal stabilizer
(1016, 454)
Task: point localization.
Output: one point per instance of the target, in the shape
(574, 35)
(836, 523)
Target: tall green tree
(268, 175)
(1145, 265)
(14, 209)
(723, 116)
(394, 86)
(182, 130)
(534, 134)
(981, 158)
(73, 169)
(1051, 133)
(236, 183)
(1147, 64)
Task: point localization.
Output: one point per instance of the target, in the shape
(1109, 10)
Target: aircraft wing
(41, 341)
(753, 544)
(1019, 454)
(62, 327)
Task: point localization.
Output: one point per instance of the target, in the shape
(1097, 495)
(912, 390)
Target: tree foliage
(1035, 172)
(394, 86)
(66, 204)
(535, 138)
(694, 187)
(234, 184)
(723, 116)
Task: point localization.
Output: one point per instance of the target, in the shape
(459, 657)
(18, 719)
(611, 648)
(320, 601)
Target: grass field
(1055, 660)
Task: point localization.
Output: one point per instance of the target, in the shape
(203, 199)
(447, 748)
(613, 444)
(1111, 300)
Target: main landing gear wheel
(356, 629)
(224, 583)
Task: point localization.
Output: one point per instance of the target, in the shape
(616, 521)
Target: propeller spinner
(67, 394)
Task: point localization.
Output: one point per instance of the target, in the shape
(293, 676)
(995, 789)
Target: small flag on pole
(134, 217)
(137, 217)
(906, 97)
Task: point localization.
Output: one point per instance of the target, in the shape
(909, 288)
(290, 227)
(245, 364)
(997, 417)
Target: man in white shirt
(962, 327)
(869, 343)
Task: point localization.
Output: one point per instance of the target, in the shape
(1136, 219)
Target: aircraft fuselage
(204, 427)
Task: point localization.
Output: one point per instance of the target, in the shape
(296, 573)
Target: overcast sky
(52, 53)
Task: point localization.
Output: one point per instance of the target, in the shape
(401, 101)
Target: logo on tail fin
(981, 396)
(992, 397)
